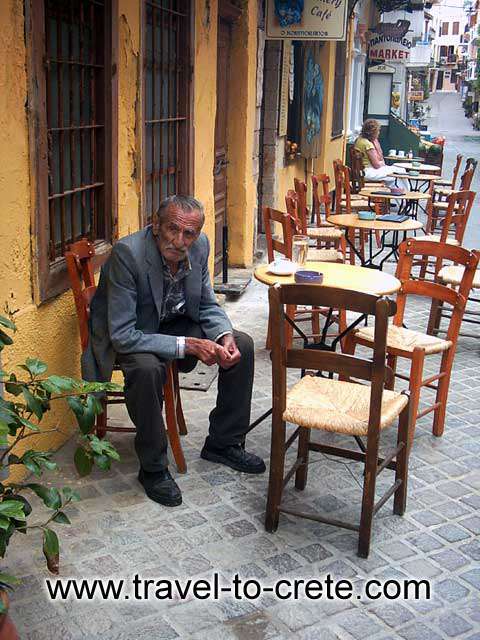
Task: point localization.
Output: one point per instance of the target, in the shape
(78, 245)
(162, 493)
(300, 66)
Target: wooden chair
(342, 407)
(79, 259)
(325, 234)
(453, 219)
(451, 275)
(451, 184)
(357, 173)
(415, 345)
(348, 202)
(442, 193)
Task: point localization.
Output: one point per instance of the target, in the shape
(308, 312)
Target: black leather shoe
(234, 457)
(161, 487)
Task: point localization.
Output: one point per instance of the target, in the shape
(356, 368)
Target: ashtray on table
(308, 277)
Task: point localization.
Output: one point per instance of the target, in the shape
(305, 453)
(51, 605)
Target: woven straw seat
(453, 275)
(343, 407)
(325, 255)
(355, 204)
(324, 233)
(434, 238)
(443, 191)
(443, 181)
(407, 340)
(443, 206)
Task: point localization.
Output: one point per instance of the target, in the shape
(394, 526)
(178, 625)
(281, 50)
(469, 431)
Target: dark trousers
(145, 375)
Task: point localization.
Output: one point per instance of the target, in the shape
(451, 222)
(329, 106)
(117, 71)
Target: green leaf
(30, 425)
(7, 579)
(35, 366)
(50, 496)
(51, 549)
(61, 518)
(5, 322)
(5, 338)
(83, 461)
(14, 389)
(4, 522)
(4, 430)
(33, 403)
(12, 509)
(102, 462)
(103, 447)
(83, 412)
(61, 383)
(70, 494)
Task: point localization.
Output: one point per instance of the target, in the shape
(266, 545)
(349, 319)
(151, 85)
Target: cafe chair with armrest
(79, 259)
(325, 404)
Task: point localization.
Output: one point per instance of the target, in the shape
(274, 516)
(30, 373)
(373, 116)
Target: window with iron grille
(166, 101)
(71, 96)
(339, 89)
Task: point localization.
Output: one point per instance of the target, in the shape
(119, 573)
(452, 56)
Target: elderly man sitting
(155, 303)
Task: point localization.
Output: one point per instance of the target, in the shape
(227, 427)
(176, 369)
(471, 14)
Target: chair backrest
(471, 163)
(319, 199)
(303, 213)
(296, 211)
(357, 175)
(457, 214)
(283, 357)
(466, 179)
(79, 259)
(456, 170)
(338, 177)
(282, 244)
(410, 252)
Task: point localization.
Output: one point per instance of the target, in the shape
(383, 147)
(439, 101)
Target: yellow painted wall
(129, 117)
(330, 149)
(205, 105)
(242, 191)
(40, 329)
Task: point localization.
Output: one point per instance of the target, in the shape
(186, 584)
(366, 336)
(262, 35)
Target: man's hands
(225, 353)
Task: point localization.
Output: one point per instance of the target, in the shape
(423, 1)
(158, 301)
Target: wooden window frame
(339, 90)
(51, 279)
(187, 157)
(444, 28)
(455, 28)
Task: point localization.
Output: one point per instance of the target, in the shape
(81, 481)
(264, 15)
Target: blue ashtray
(366, 215)
(308, 277)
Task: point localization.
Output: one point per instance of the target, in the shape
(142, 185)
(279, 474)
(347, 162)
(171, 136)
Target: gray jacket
(125, 311)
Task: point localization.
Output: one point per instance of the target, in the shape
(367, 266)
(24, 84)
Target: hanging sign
(389, 41)
(416, 95)
(306, 19)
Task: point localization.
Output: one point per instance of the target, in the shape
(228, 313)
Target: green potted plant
(30, 394)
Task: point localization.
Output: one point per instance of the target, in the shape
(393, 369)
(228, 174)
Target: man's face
(177, 232)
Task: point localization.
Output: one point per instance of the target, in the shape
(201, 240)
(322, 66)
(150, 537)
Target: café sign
(306, 19)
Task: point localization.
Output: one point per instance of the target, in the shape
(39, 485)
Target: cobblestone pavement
(447, 118)
(117, 532)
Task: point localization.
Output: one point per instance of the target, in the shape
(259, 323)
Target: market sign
(416, 95)
(306, 19)
(389, 41)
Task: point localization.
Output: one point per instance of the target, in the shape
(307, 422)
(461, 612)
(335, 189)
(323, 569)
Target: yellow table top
(344, 276)
(408, 195)
(351, 220)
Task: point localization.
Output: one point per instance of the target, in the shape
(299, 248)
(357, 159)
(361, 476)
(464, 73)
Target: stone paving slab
(117, 532)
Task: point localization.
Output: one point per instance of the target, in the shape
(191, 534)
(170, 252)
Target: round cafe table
(434, 168)
(344, 276)
(409, 199)
(351, 221)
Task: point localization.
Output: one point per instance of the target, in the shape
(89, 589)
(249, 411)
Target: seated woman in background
(374, 166)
